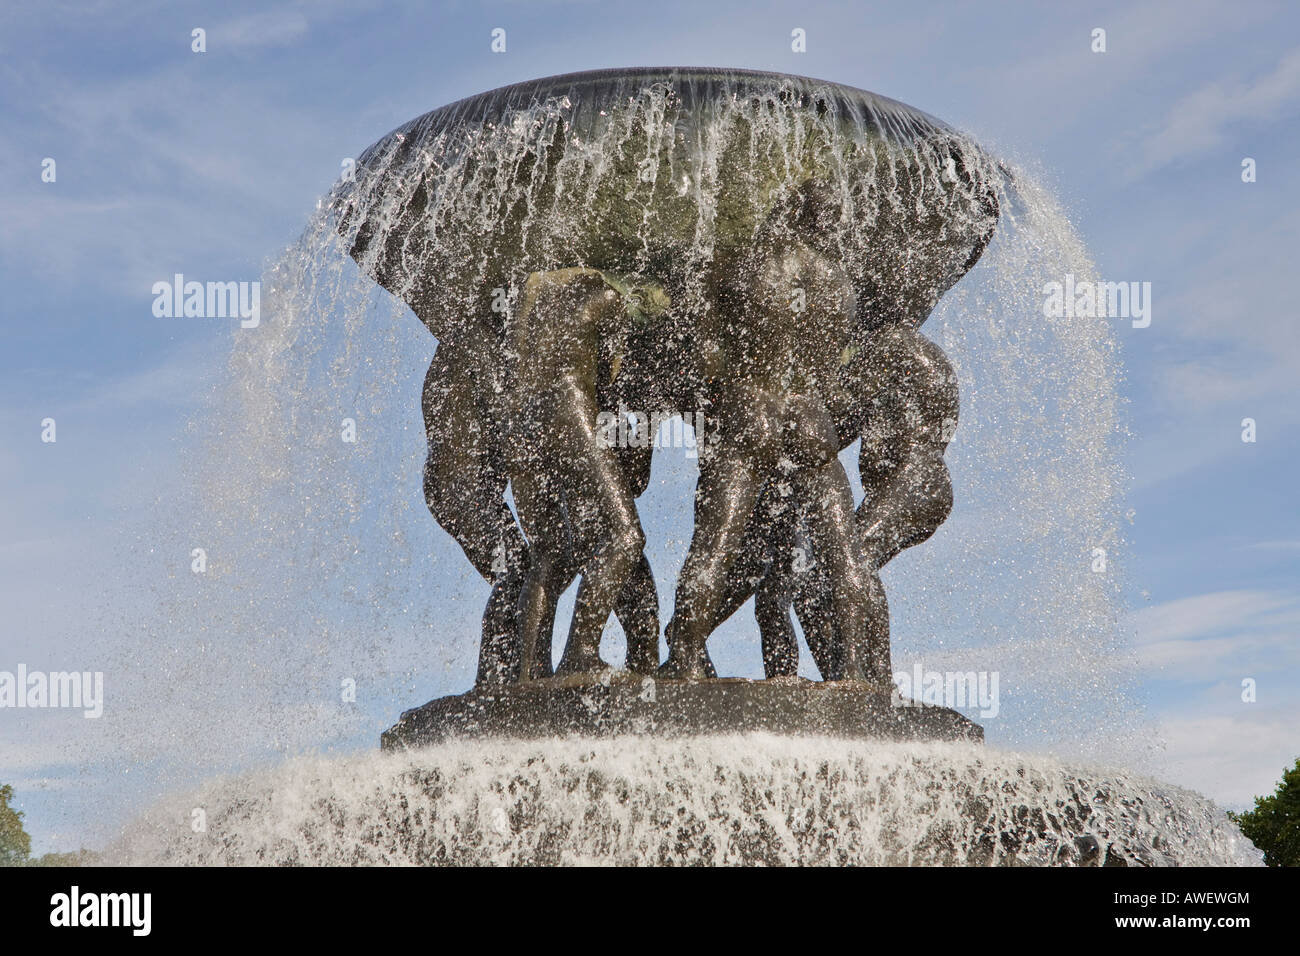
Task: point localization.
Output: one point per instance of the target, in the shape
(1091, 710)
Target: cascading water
(716, 800)
(327, 569)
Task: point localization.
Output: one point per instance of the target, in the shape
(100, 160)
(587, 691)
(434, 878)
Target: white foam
(716, 800)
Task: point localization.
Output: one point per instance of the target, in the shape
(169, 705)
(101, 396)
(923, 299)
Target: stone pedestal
(623, 703)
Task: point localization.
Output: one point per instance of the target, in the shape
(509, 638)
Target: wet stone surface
(629, 704)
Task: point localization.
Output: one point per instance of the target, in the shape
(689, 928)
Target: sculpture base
(622, 703)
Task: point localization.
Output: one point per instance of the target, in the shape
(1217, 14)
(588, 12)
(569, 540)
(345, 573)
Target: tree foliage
(15, 844)
(1274, 824)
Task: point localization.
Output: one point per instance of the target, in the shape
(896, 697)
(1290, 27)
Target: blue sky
(211, 163)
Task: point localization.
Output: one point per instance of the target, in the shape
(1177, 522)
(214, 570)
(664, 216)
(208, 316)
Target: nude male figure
(465, 405)
(784, 312)
(904, 406)
(576, 502)
(898, 393)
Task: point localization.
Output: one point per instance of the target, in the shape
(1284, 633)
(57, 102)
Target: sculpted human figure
(784, 314)
(568, 340)
(904, 406)
(898, 394)
(465, 477)
(465, 481)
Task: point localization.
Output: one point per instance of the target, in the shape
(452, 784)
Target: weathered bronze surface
(631, 705)
(758, 247)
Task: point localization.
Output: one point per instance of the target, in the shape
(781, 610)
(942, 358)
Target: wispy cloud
(1201, 121)
(268, 28)
(1204, 614)
(1216, 738)
(1274, 546)
(1231, 758)
(1196, 638)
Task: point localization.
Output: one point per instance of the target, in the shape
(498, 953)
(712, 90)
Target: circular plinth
(625, 703)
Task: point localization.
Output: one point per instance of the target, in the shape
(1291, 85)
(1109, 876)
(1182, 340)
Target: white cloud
(268, 28)
(1230, 758)
(1214, 742)
(1202, 615)
(1200, 122)
(1204, 637)
(1274, 546)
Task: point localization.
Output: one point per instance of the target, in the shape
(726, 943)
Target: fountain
(731, 218)
(757, 253)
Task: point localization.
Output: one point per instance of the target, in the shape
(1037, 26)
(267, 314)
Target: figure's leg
(776, 631)
(903, 506)
(464, 477)
(553, 566)
(638, 604)
(542, 588)
(637, 608)
(752, 561)
(828, 511)
(726, 494)
(464, 488)
(906, 484)
(772, 599)
(605, 524)
(557, 451)
(725, 499)
(638, 613)
(498, 654)
(813, 599)
(743, 578)
(541, 512)
(877, 665)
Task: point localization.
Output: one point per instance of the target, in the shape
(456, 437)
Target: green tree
(15, 844)
(1274, 824)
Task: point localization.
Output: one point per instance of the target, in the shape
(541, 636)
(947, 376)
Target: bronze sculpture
(761, 246)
